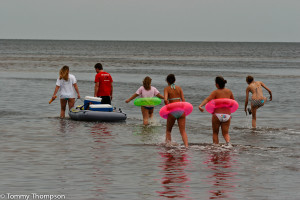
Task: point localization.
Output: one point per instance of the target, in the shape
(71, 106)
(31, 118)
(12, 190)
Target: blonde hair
(147, 83)
(64, 73)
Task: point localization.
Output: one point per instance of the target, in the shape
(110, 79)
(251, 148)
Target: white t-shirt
(66, 87)
(147, 93)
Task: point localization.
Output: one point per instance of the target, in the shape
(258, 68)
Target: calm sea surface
(45, 155)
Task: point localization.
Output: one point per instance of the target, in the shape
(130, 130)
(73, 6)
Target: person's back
(174, 93)
(223, 93)
(146, 91)
(66, 83)
(66, 87)
(222, 115)
(257, 99)
(103, 85)
(256, 89)
(143, 92)
(105, 81)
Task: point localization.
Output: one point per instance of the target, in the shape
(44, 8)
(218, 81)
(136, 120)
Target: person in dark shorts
(146, 91)
(103, 85)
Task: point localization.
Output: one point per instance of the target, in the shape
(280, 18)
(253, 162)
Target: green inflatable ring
(147, 101)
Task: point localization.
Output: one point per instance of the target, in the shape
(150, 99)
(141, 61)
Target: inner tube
(177, 109)
(147, 101)
(221, 103)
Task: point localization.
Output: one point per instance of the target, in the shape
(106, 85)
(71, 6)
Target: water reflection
(222, 167)
(147, 134)
(101, 133)
(175, 178)
(66, 126)
(101, 158)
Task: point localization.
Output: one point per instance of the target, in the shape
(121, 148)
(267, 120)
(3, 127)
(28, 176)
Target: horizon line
(220, 41)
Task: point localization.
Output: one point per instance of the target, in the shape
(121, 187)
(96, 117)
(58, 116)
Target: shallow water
(87, 160)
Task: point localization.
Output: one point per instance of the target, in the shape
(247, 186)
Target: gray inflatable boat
(89, 115)
(99, 112)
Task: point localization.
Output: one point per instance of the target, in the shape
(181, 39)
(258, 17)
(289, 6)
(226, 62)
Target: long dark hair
(220, 81)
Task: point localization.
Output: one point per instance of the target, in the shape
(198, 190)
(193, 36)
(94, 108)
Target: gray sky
(170, 20)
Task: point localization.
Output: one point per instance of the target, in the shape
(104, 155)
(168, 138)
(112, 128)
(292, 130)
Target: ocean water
(44, 155)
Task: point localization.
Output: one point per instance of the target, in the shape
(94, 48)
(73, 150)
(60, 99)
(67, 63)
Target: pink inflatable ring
(221, 103)
(176, 109)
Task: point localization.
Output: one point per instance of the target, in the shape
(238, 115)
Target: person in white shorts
(222, 116)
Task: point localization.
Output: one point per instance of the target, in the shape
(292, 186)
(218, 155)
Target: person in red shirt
(103, 85)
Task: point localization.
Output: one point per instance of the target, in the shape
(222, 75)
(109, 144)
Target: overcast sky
(159, 20)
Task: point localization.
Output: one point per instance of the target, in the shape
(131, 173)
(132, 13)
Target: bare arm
(166, 95)
(160, 96)
(270, 92)
(96, 89)
(55, 92)
(181, 95)
(231, 96)
(77, 90)
(246, 100)
(112, 89)
(132, 97)
(205, 101)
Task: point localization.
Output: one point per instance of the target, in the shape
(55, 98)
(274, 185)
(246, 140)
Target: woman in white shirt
(65, 84)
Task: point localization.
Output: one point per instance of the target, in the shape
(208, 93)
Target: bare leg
(150, 112)
(71, 102)
(170, 123)
(181, 124)
(266, 99)
(215, 126)
(253, 110)
(225, 130)
(63, 105)
(145, 114)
